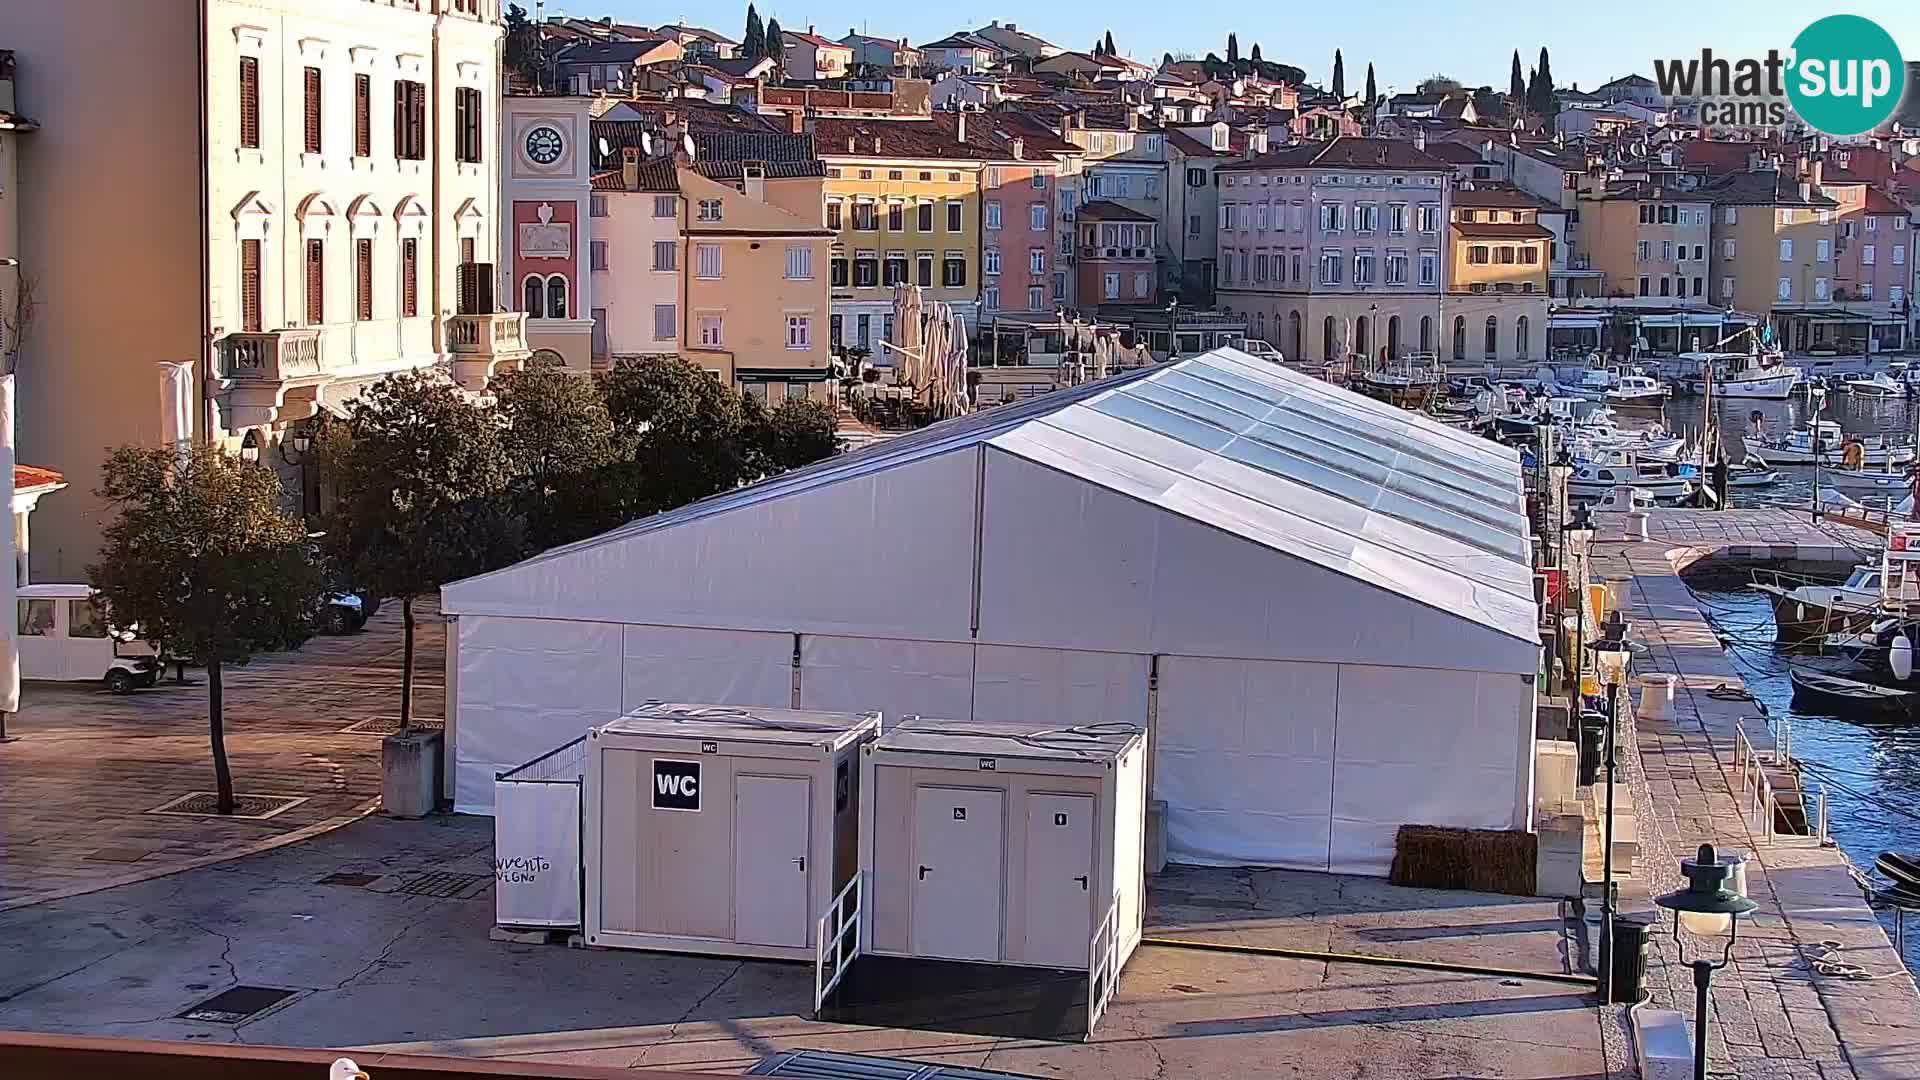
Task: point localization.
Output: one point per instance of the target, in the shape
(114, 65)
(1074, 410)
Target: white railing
(1819, 823)
(833, 953)
(1103, 971)
(1755, 791)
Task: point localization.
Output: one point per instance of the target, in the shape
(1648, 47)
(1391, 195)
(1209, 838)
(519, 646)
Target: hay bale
(1478, 860)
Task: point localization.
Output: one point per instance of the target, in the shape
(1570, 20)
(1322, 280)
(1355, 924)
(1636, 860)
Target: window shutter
(250, 286)
(363, 115)
(249, 101)
(409, 277)
(363, 278)
(313, 110)
(399, 119)
(417, 116)
(316, 283)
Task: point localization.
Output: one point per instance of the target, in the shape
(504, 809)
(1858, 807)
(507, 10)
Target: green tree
(754, 42)
(203, 556)
(1540, 98)
(1516, 84)
(794, 434)
(1107, 46)
(525, 48)
(1255, 54)
(1443, 85)
(1339, 76)
(1233, 49)
(680, 434)
(557, 439)
(776, 44)
(1373, 93)
(420, 479)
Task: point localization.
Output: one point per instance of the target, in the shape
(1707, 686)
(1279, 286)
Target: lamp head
(250, 447)
(1561, 467)
(1579, 528)
(1708, 905)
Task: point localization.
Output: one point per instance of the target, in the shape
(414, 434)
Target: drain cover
(237, 1004)
(207, 804)
(390, 725)
(447, 885)
(353, 880)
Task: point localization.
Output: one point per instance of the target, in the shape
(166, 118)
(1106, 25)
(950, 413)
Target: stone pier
(1774, 1016)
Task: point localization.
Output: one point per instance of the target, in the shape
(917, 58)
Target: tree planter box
(409, 773)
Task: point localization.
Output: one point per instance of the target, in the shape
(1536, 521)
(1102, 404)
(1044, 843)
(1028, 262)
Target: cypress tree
(754, 44)
(1111, 51)
(1233, 49)
(1516, 84)
(1339, 76)
(1372, 94)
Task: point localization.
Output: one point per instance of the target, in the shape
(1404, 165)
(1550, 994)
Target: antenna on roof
(686, 142)
(646, 143)
(606, 151)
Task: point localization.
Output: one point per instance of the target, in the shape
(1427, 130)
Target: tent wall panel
(1426, 747)
(523, 687)
(715, 667)
(1243, 755)
(897, 678)
(765, 565)
(1059, 686)
(1065, 561)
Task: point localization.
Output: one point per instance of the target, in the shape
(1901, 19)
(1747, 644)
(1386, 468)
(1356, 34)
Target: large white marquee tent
(1320, 605)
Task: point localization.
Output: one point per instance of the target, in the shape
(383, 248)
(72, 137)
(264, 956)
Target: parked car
(64, 636)
(1260, 350)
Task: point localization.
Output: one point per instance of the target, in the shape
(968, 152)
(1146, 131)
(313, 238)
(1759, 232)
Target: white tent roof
(1386, 497)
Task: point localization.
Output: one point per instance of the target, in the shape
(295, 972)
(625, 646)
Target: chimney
(850, 146)
(1019, 148)
(1133, 120)
(1012, 26)
(1806, 191)
(1420, 138)
(753, 180)
(876, 143)
(630, 168)
(796, 123)
(960, 125)
(809, 28)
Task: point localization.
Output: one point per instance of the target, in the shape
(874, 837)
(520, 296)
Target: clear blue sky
(1405, 41)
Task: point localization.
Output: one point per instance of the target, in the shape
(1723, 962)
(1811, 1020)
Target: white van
(64, 637)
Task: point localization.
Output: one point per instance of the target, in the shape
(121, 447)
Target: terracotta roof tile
(1505, 230)
(935, 137)
(1348, 152)
(28, 477)
(1103, 210)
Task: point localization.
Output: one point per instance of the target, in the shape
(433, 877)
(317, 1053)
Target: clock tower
(547, 174)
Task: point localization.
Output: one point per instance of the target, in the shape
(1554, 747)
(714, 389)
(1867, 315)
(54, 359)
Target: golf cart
(64, 636)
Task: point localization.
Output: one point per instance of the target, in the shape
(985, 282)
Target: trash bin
(1629, 973)
(1593, 738)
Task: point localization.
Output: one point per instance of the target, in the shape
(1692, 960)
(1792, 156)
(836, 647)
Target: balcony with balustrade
(485, 345)
(269, 377)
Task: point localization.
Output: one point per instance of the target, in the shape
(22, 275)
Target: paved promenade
(1774, 1017)
(86, 768)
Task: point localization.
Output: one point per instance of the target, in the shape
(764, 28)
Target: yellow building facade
(903, 201)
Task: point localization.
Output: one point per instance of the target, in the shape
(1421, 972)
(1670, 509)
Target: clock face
(543, 145)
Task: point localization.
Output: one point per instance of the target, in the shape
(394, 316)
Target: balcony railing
(502, 332)
(274, 356)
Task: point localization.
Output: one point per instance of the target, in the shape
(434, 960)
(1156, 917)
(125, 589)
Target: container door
(957, 843)
(1059, 880)
(770, 857)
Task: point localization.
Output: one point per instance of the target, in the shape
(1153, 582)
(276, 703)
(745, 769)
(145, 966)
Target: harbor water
(1869, 772)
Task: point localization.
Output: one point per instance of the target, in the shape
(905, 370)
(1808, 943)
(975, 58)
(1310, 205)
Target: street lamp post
(1707, 907)
(1610, 659)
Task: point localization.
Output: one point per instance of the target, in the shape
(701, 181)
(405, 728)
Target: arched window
(1520, 337)
(1459, 337)
(1326, 339)
(1493, 337)
(1293, 335)
(1393, 336)
(1362, 332)
(556, 297)
(536, 297)
(1426, 333)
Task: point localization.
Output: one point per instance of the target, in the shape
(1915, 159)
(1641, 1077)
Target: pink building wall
(1018, 238)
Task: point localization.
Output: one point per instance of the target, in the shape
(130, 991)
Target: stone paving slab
(1774, 1016)
(78, 782)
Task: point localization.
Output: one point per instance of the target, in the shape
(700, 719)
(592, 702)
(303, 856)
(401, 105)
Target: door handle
(1082, 879)
(801, 862)
(923, 872)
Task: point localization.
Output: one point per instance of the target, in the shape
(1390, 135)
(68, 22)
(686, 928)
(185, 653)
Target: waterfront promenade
(1774, 1015)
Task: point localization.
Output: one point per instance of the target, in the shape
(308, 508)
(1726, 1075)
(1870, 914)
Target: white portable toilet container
(720, 829)
(1008, 844)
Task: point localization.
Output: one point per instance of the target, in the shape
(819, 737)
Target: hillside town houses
(450, 183)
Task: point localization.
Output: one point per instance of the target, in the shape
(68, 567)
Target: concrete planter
(410, 774)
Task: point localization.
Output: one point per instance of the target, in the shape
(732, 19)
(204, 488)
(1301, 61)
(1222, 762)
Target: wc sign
(676, 785)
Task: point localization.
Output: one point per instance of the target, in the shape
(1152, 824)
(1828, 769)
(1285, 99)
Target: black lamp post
(1559, 471)
(1707, 907)
(1610, 661)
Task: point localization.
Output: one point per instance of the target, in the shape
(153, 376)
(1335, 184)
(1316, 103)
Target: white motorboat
(1636, 392)
(1877, 385)
(1751, 476)
(1867, 481)
(1596, 479)
(1798, 448)
(1803, 608)
(1742, 375)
